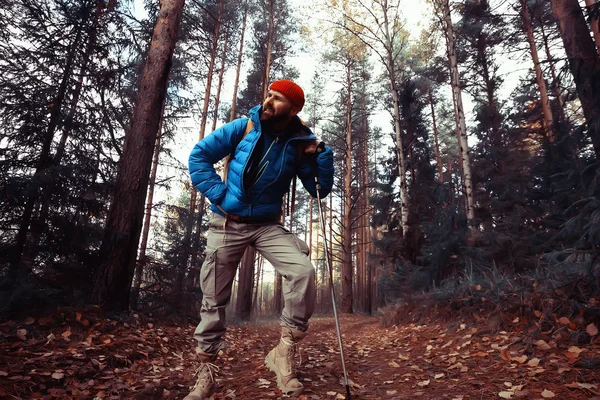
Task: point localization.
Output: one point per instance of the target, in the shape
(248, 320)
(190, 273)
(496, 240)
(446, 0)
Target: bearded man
(266, 152)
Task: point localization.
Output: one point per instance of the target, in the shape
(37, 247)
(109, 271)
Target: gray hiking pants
(226, 242)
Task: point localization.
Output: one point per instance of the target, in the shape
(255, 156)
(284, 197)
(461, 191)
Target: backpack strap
(249, 127)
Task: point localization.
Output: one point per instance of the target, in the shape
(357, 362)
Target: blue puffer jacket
(263, 200)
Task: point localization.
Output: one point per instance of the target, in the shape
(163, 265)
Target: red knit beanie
(290, 90)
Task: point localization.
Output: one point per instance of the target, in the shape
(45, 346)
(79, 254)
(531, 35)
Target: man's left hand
(316, 146)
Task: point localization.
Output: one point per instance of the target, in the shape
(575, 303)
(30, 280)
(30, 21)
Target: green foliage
(63, 103)
(285, 32)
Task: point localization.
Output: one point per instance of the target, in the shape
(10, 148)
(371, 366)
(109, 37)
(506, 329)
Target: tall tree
(442, 9)
(527, 27)
(112, 281)
(592, 10)
(142, 258)
(583, 62)
(379, 26)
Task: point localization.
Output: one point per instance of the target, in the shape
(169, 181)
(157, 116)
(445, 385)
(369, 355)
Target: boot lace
(293, 355)
(206, 374)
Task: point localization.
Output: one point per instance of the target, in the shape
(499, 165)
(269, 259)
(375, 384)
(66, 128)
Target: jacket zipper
(282, 164)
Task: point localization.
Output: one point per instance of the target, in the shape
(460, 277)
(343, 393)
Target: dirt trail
(134, 359)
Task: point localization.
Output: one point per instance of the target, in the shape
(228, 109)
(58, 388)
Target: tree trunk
(459, 113)
(196, 242)
(187, 238)
(270, 39)
(257, 289)
(347, 272)
(243, 305)
(141, 264)
(591, 7)
(583, 62)
(277, 294)
(391, 69)
(555, 81)
(366, 222)
(112, 281)
(548, 119)
(215, 116)
(91, 44)
(438, 156)
(239, 64)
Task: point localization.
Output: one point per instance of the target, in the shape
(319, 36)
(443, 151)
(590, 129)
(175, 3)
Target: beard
(274, 119)
(277, 118)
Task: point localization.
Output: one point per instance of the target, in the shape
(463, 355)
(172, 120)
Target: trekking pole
(328, 261)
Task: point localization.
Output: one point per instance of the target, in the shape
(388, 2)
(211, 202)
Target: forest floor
(77, 354)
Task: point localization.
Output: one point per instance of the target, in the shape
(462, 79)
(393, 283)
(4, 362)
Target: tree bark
(270, 34)
(444, 9)
(583, 62)
(187, 238)
(391, 69)
(141, 264)
(239, 64)
(243, 304)
(555, 80)
(591, 5)
(112, 280)
(438, 156)
(347, 271)
(548, 119)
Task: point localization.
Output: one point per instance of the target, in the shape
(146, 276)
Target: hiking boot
(205, 381)
(281, 361)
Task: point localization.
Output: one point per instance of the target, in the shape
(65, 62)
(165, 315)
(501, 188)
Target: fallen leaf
(424, 383)
(505, 354)
(506, 395)
(439, 376)
(542, 345)
(391, 392)
(547, 394)
(575, 349)
(394, 364)
(564, 320)
(579, 385)
(521, 359)
(591, 330)
(534, 362)
(263, 382)
(22, 334)
(58, 375)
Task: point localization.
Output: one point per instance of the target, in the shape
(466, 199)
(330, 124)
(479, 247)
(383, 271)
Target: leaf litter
(80, 355)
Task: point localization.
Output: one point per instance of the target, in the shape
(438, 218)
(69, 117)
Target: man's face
(277, 108)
